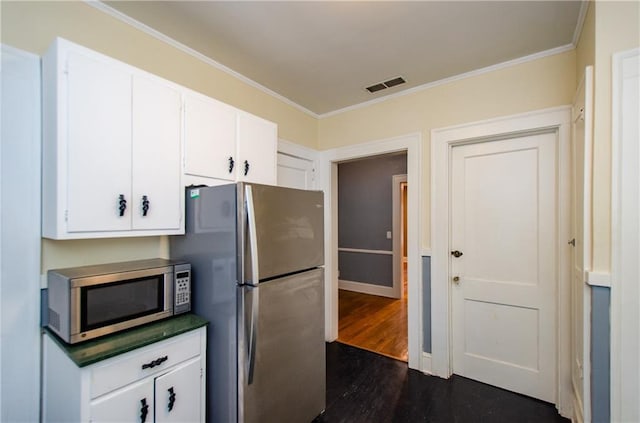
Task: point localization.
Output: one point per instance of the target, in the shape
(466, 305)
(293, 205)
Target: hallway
(373, 323)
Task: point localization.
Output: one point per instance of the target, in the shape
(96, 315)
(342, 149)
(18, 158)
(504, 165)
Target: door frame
(556, 120)
(397, 231)
(625, 338)
(412, 144)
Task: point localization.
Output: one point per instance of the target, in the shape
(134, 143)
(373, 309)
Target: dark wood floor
(364, 387)
(374, 323)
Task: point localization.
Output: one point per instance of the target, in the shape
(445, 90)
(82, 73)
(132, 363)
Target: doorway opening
(372, 300)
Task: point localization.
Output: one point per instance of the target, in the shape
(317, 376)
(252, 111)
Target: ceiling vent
(386, 84)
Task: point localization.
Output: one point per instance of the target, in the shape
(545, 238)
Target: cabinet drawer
(122, 370)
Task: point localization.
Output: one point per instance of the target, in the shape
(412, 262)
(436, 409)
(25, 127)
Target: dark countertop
(94, 350)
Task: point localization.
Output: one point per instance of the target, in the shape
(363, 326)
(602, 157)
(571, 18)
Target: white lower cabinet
(161, 382)
(171, 397)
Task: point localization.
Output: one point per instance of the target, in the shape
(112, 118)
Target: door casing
(412, 144)
(554, 120)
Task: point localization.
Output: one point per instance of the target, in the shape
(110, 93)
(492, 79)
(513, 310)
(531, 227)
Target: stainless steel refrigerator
(256, 253)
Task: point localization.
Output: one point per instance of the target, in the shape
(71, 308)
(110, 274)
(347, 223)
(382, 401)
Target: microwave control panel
(182, 289)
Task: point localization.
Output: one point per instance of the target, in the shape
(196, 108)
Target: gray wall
(600, 354)
(365, 214)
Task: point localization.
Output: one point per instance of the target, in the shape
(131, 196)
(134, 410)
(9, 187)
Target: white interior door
(504, 223)
(294, 172)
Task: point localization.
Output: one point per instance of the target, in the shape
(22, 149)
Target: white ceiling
(321, 55)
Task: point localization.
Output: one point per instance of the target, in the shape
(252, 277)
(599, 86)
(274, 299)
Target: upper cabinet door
(257, 146)
(210, 138)
(156, 187)
(111, 148)
(98, 159)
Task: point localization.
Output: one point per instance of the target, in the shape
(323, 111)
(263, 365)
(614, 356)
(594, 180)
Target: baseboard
(367, 288)
(426, 363)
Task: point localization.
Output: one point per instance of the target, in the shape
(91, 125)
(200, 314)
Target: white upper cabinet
(157, 192)
(120, 144)
(210, 137)
(111, 148)
(224, 144)
(257, 149)
(95, 148)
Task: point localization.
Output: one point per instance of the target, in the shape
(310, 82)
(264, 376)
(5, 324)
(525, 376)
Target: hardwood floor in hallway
(373, 323)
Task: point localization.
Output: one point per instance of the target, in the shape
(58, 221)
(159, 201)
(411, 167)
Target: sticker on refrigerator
(194, 193)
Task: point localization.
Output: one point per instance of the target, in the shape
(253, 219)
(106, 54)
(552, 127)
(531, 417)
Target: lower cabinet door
(178, 394)
(133, 403)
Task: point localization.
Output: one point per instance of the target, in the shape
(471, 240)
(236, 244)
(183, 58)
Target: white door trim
(583, 111)
(442, 141)
(625, 336)
(328, 164)
(397, 235)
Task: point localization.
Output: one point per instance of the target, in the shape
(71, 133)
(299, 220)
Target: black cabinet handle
(144, 410)
(231, 164)
(154, 363)
(145, 205)
(122, 204)
(246, 167)
(172, 398)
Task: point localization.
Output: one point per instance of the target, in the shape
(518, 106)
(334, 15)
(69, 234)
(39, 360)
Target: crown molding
(584, 7)
(97, 4)
(481, 71)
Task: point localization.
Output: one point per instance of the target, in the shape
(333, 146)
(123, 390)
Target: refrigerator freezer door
(289, 381)
(290, 229)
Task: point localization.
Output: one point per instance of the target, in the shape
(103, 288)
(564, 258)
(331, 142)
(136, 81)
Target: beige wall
(534, 85)
(547, 82)
(32, 26)
(616, 29)
(586, 48)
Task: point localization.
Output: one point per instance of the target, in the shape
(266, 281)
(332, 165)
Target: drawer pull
(172, 398)
(144, 410)
(154, 363)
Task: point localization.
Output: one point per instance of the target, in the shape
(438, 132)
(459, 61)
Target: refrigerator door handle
(253, 333)
(253, 239)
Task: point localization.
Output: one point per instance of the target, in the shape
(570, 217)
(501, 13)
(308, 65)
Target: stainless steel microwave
(92, 301)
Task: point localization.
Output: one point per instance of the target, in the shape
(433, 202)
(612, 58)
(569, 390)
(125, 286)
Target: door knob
(456, 253)
(456, 279)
